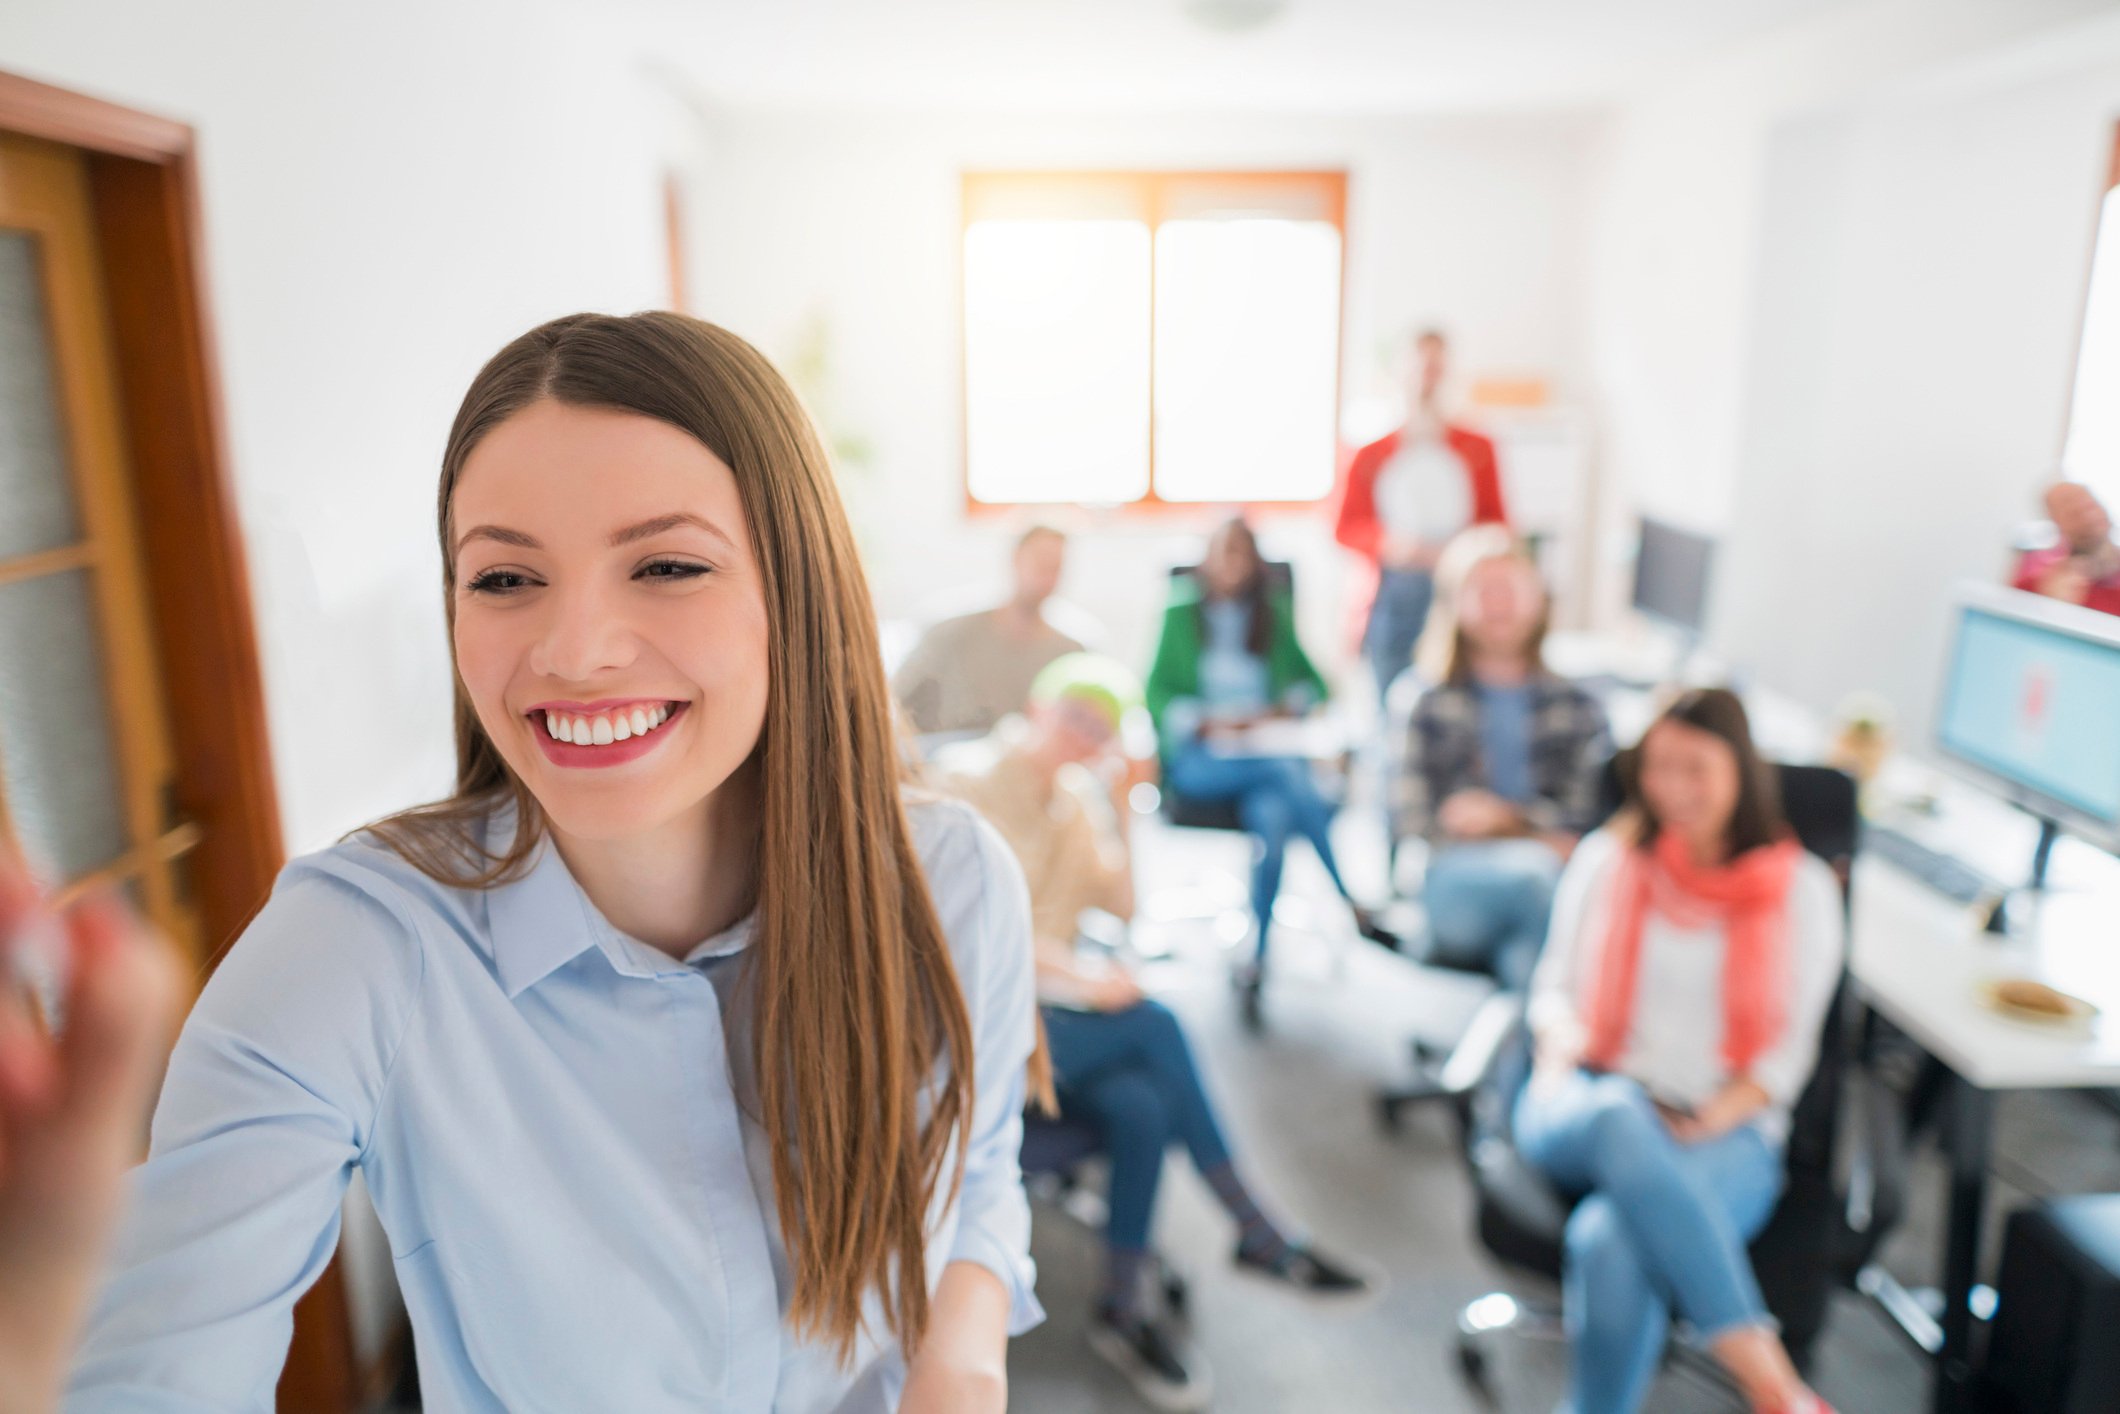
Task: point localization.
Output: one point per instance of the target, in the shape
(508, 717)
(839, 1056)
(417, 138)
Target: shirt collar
(541, 921)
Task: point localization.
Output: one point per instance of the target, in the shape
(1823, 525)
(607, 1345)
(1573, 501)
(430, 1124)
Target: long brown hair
(1757, 818)
(1256, 593)
(1443, 652)
(857, 1000)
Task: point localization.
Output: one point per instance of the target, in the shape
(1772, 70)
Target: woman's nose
(585, 635)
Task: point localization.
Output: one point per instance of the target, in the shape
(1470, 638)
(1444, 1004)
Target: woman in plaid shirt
(1499, 763)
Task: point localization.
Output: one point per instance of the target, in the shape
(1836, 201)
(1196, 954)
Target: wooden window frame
(1331, 184)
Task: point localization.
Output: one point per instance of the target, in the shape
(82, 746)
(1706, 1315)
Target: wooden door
(87, 778)
(132, 719)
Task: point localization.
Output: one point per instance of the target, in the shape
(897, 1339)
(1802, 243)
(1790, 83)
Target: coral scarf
(1748, 898)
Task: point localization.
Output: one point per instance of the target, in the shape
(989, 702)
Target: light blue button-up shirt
(578, 1196)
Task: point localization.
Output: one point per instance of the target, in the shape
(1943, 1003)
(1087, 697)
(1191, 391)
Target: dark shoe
(1365, 923)
(1158, 1366)
(1250, 982)
(1309, 1272)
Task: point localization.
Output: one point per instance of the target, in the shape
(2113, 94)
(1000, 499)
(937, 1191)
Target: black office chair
(1190, 814)
(1057, 1152)
(1809, 1245)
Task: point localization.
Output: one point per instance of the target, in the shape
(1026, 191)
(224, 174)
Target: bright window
(1152, 336)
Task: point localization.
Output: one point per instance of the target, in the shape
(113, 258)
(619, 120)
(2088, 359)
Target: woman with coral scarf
(1694, 949)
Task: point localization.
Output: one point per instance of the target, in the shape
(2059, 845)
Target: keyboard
(1947, 875)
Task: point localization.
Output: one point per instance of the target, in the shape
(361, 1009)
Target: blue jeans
(1276, 798)
(1396, 618)
(1131, 1074)
(1488, 902)
(1663, 1229)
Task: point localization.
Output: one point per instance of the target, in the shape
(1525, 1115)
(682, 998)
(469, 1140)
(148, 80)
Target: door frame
(144, 194)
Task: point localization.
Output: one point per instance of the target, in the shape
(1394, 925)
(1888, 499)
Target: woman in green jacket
(1228, 659)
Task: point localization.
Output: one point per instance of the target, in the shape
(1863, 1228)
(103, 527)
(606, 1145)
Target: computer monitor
(1671, 575)
(2031, 707)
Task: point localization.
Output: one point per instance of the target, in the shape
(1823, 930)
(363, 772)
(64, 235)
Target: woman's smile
(605, 733)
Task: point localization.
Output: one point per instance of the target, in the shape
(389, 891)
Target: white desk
(1920, 959)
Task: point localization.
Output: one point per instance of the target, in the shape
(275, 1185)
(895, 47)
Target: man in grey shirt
(967, 673)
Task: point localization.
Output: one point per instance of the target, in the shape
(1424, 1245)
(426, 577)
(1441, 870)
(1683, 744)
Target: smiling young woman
(682, 1051)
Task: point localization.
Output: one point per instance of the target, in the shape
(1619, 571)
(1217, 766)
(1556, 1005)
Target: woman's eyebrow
(500, 533)
(619, 537)
(669, 522)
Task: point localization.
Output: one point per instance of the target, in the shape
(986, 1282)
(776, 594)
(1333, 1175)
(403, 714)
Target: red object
(1356, 526)
(1748, 896)
(2104, 595)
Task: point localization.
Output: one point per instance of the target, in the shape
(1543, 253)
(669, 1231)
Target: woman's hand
(1721, 1112)
(1556, 1055)
(72, 1113)
(962, 1365)
(1114, 990)
(1477, 814)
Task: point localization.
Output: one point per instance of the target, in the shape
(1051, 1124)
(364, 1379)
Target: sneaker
(1158, 1366)
(1369, 926)
(1309, 1271)
(1249, 979)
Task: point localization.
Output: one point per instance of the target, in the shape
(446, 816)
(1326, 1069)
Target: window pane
(56, 759)
(2093, 453)
(36, 498)
(1056, 360)
(1247, 358)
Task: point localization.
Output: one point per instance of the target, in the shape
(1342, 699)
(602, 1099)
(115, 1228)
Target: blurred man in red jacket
(1405, 495)
(2083, 565)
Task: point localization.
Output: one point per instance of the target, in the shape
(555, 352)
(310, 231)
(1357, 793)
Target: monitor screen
(1671, 575)
(2036, 704)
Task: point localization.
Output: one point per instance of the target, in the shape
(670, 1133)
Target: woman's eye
(496, 582)
(671, 570)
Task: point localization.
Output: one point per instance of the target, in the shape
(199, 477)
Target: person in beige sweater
(1047, 780)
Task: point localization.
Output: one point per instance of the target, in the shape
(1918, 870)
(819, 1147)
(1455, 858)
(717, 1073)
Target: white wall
(1919, 306)
(851, 220)
(1676, 230)
(1832, 289)
(391, 191)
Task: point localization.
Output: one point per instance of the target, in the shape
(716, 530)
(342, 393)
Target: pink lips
(618, 753)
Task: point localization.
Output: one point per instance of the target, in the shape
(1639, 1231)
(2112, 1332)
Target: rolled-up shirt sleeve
(267, 1105)
(994, 1216)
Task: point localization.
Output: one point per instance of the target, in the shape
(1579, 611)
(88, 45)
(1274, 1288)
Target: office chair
(1808, 1246)
(1219, 814)
(1189, 814)
(1057, 1152)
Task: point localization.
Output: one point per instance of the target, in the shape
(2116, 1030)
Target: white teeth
(602, 731)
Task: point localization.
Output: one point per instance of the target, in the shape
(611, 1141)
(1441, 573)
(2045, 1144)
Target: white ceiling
(1316, 56)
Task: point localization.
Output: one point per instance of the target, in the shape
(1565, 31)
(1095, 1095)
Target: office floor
(1298, 1102)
